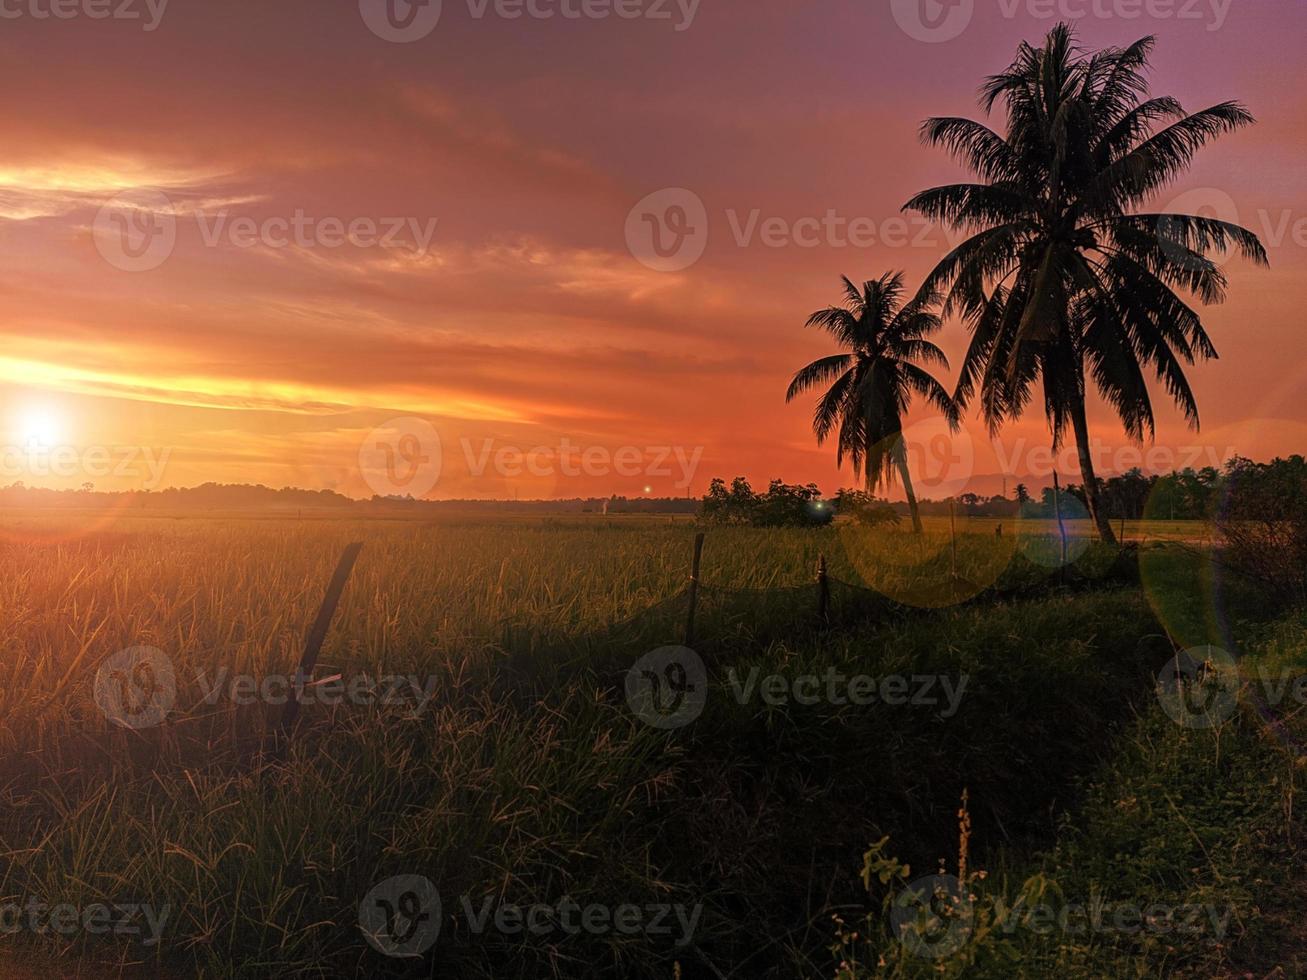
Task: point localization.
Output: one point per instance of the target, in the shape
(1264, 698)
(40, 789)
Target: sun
(40, 428)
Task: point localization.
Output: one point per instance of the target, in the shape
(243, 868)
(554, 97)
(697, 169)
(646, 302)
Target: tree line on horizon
(1182, 495)
(1063, 285)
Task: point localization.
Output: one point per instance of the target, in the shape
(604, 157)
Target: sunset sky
(499, 160)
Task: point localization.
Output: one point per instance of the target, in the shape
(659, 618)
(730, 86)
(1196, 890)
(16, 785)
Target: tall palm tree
(874, 381)
(1062, 280)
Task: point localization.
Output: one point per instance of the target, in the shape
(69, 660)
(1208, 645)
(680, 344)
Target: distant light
(648, 489)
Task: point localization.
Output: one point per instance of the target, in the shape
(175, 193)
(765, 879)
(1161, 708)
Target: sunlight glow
(40, 428)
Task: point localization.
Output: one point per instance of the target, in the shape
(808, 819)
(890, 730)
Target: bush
(867, 509)
(1263, 525)
(781, 506)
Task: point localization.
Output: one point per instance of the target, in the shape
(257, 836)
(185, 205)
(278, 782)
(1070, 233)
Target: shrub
(1262, 525)
(782, 505)
(866, 508)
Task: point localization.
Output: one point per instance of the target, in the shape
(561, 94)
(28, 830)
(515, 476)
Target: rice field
(488, 748)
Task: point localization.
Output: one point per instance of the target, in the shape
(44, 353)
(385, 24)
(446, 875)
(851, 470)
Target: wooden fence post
(318, 633)
(694, 589)
(823, 589)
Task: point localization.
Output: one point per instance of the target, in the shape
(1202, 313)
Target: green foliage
(782, 505)
(1181, 861)
(1262, 525)
(866, 509)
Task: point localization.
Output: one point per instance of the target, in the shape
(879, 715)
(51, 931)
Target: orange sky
(507, 309)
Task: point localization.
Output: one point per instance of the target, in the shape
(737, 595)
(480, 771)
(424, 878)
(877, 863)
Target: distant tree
(1023, 494)
(866, 508)
(872, 384)
(1262, 526)
(782, 505)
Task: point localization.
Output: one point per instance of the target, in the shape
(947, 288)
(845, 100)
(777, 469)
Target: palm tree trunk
(1090, 480)
(907, 488)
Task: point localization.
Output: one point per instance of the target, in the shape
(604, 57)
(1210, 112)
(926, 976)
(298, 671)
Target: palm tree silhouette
(874, 381)
(1060, 280)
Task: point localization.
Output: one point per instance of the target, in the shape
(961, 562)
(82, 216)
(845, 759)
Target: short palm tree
(875, 379)
(1062, 280)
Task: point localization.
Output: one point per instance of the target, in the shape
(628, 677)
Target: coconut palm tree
(1063, 280)
(875, 379)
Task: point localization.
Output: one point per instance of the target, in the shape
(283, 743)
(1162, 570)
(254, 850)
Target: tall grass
(527, 778)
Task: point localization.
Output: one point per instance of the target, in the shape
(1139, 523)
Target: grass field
(509, 766)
